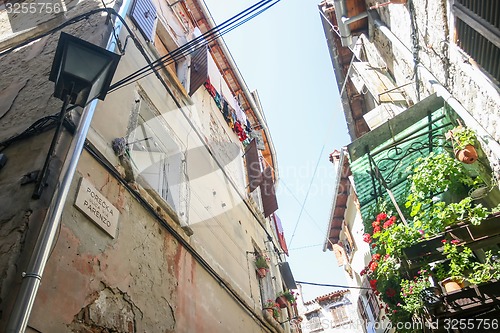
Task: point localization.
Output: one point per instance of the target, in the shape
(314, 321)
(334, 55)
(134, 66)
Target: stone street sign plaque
(92, 203)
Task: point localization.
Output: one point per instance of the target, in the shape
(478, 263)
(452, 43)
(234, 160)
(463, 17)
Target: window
(478, 33)
(156, 157)
(368, 306)
(339, 315)
(314, 322)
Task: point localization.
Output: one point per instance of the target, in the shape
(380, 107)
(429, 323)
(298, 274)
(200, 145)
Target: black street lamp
(82, 72)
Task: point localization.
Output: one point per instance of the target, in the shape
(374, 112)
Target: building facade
(411, 75)
(332, 312)
(173, 196)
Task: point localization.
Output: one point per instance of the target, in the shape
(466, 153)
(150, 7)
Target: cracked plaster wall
(142, 281)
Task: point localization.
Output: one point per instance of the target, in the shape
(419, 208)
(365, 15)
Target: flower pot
(282, 301)
(450, 285)
(261, 272)
(468, 155)
(269, 311)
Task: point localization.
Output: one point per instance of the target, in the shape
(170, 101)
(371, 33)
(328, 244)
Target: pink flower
(443, 241)
(455, 241)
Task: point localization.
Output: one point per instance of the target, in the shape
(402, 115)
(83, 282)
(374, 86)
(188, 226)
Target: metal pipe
(349, 20)
(345, 31)
(31, 280)
(486, 139)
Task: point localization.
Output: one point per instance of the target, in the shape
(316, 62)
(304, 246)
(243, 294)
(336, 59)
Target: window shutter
(199, 69)
(253, 166)
(268, 192)
(348, 236)
(478, 32)
(144, 16)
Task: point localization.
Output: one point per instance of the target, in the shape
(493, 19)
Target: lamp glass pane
(84, 63)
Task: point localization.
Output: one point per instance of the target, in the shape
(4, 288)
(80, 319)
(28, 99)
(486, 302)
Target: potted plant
(262, 264)
(272, 307)
(285, 297)
(460, 262)
(487, 271)
(464, 140)
(411, 291)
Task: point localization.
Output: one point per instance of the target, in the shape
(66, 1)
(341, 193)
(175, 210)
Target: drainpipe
(343, 21)
(32, 278)
(243, 86)
(482, 134)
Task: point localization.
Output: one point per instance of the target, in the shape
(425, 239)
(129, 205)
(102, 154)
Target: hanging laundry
(210, 88)
(217, 100)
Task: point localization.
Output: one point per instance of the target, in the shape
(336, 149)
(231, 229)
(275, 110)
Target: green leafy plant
(271, 304)
(462, 136)
(460, 259)
(487, 271)
(435, 174)
(439, 215)
(289, 295)
(261, 261)
(411, 289)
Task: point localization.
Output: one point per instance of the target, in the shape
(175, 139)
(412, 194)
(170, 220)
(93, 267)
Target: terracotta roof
(331, 296)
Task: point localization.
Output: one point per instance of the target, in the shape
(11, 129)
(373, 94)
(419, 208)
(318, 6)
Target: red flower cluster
(373, 266)
(376, 256)
(367, 238)
(373, 284)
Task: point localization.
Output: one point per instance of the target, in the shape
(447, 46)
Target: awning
(286, 274)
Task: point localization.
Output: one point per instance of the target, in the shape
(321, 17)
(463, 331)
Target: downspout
(243, 86)
(482, 134)
(340, 78)
(25, 299)
(343, 21)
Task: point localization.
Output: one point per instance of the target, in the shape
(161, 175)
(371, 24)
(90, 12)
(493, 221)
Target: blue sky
(282, 53)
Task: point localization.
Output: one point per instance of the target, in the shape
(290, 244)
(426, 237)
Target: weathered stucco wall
(145, 279)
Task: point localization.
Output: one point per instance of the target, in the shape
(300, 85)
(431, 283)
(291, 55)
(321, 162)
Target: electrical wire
(192, 45)
(307, 194)
(332, 285)
(195, 44)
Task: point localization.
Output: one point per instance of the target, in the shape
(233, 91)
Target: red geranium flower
(375, 224)
(455, 241)
(443, 241)
(374, 245)
(373, 266)
(376, 256)
(373, 284)
(367, 238)
(376, 229)
(388, 223)
(381, 216)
